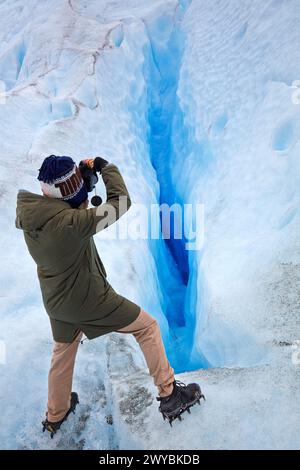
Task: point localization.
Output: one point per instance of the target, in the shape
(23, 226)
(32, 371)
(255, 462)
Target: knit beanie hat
(60, 178)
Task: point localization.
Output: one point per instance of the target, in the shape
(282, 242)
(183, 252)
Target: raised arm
(90, 221)
(117, 198)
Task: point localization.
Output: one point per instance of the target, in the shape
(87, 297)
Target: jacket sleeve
(90, 221)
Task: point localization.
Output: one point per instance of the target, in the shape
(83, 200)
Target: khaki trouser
(147, 333)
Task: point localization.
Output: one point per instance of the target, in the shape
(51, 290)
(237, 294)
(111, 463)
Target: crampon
(54, 427)
(181, 399)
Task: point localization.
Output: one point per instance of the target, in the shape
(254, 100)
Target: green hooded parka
(73, 280)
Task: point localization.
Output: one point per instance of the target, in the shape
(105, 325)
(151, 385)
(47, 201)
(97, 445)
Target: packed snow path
(195, 102)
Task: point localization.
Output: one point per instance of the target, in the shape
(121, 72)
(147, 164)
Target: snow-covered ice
(195, 102)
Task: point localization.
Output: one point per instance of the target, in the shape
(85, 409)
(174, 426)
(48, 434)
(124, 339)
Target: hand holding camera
(88, 169)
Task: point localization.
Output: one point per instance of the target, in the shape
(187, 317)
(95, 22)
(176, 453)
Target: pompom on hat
(60, 178)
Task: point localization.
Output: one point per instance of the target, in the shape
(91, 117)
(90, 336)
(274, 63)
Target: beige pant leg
(146, 331)
(60, 378)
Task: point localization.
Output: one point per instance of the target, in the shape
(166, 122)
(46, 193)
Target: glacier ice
(195, 102)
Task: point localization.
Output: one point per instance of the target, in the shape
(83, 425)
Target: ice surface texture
(195, 102)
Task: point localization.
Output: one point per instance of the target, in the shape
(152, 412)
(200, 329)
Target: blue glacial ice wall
(223, 130)
(194, 101)
(238, 94)
(167, 134)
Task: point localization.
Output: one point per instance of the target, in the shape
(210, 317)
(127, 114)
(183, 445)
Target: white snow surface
(80, 78)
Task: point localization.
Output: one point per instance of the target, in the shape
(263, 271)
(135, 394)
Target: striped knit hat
(60, 178)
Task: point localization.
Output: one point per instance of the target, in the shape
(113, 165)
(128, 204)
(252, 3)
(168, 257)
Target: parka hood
(35, 210)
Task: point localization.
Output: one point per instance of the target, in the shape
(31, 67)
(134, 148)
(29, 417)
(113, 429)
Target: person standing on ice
(58, 229)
